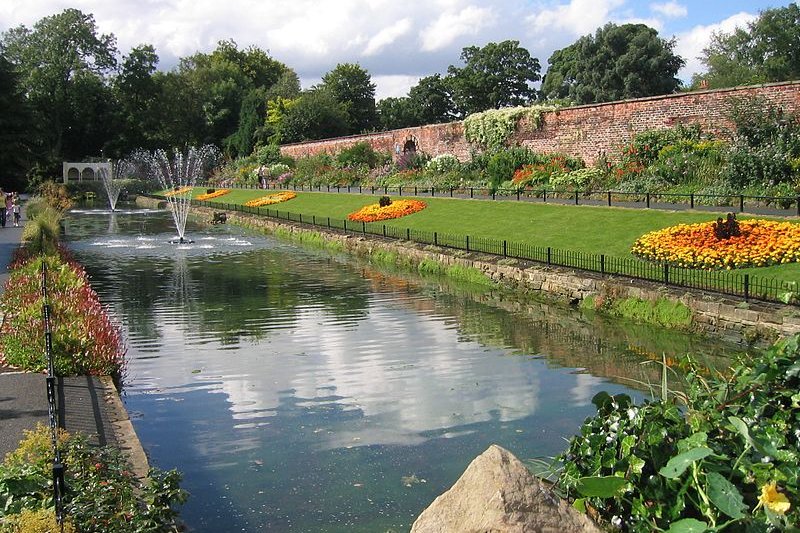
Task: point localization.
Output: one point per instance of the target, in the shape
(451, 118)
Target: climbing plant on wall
(492, 128)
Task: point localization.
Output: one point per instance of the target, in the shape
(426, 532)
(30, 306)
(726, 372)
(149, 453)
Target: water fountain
(176, 174)
(111, 183)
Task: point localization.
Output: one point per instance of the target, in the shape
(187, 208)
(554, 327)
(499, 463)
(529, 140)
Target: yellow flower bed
(182, 190)
(397, 209)
(271, 199)
(759, 243)
(215, 194)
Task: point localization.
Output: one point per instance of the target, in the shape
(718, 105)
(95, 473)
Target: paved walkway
(89, 404)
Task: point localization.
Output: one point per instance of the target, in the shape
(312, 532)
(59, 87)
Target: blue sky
(396, 41)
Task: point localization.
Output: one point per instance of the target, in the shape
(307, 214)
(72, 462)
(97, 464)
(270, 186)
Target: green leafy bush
(443, 163)
(724, 457)
(361, 154)
(104, 495)
(268, 155)
(766, 143)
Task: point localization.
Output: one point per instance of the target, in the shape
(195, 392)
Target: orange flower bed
(760, 243)
(397, 209)
(271, 199)
(215, 194)
(182, 190)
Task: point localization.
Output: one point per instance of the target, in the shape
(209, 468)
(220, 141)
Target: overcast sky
(397, 41)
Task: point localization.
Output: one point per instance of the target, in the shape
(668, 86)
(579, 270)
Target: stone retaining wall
(711, 313)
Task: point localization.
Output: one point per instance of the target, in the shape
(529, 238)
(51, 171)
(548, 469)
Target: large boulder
(498, 494)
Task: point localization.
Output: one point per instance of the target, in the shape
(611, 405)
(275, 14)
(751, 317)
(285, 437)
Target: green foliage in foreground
(103, 495)
(84, 339)
(721, 456)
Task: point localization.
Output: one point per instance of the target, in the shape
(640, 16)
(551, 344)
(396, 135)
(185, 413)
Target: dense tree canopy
(497, 75)
(61, 62)
(316, 114)
(15, 135)
(352, 86)
(767, 51)
(616, 63)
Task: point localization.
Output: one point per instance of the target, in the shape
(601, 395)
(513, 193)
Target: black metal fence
(779, 205)
(52, 404)
(720, 281)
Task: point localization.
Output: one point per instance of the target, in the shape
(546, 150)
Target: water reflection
(297, 390)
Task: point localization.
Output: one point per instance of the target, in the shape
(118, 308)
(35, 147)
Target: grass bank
(589, 229)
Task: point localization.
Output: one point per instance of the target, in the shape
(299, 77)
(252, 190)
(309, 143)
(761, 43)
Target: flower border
(760, 243)
(271, 199)
(215, 194)
(397, 209)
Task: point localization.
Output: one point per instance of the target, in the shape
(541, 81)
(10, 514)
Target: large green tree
(316, 114)
(431, 100)
(768, 50)
(616, 63)
(351, 85)
(220, 81)
(137, 96)
(395, 113)
(497, 75)
(58, 61)
(15, 129)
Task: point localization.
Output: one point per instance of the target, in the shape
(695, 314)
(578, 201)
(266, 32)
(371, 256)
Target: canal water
(301, 390)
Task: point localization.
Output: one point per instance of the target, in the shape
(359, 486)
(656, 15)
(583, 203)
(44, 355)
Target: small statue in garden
(384, 201)
(727, 228)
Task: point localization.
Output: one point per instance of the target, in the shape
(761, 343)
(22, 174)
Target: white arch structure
(84, 171)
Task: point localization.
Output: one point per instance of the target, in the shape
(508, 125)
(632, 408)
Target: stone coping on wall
(711, 313)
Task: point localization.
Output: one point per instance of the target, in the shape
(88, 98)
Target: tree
(351, 85)
(221, 80)
(497, 75)
(138, 99)
(767, 51)
(317, 114)
(396, 113)
(618, 62)
(431, 101)
(15, 133)
(54, 61)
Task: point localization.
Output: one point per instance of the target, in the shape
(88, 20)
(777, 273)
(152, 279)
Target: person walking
(8, 213)
(2, 208)
(15, 210)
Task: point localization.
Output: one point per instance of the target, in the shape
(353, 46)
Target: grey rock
(498, 494)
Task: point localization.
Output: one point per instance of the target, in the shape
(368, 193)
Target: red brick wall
(584, 131)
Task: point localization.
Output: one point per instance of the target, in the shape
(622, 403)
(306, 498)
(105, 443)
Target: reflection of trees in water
(612, 348)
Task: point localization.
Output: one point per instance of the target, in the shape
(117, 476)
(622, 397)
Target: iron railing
(745, 286)
(778, 205)
(53, 404)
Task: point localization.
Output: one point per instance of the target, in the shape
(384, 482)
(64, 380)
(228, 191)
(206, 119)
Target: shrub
(361, 154)
(766, 142)
(727, 458)
(502, 164)
(42, 231)
(268, 155)
(443, 163)
(104, 494)
(84, 339)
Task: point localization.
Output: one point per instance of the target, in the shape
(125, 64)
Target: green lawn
(599, 230)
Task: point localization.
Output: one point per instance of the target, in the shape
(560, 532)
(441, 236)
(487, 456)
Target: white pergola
(84, 171)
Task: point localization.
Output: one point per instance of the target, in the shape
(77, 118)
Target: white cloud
(670, 9)
(393, 85)
(577, 18)
(453, 24)
(387, 36)
(691, 43)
